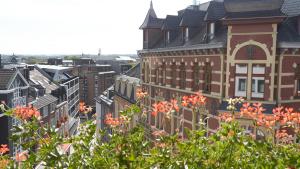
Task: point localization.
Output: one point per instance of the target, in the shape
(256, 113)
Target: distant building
(55, 61)
(70, 84)
(90, 81)
(115, 98)
(120, 64)
(83, 61)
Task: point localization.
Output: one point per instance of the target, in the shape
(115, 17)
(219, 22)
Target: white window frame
(257, 69)
(237, 91)
(256, 94)
(241, 69)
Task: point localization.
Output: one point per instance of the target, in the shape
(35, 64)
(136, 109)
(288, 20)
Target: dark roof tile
(253, 14)
(171, 22)
(291, 7)
(192, 18)
(215, 11)
(44, 101)
(5, 76)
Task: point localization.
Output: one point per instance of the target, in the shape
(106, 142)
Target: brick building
(91, 79)
(223, 49)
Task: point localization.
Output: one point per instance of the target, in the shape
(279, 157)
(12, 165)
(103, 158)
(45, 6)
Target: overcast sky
(77, 26)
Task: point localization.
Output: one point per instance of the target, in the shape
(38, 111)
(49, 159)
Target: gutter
(181, 48)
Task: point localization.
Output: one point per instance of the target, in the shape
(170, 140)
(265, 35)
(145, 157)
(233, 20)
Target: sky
(53, 27)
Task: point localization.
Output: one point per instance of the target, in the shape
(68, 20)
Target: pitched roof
(44, 101)
(291, 7)
(171, 22)
(6, 75)
(253, 14)
(151, 20)
(192, 18)
(215, 11)
(252, 5)
(38, 78)
(287, 31)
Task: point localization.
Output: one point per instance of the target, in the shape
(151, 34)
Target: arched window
(207, 78)
(182, 76)
(173, 75)
(163, 74)
(196, 76)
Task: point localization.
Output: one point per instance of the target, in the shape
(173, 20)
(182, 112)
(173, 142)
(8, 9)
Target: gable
(17, 81)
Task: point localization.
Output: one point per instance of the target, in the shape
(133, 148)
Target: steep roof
(6, 76)
(192, 18)
(215, 11)
(44, 101)
(287, 31)
(151, 20)
(171, 22)
(291, 8)
(254, 14)
(252, 5)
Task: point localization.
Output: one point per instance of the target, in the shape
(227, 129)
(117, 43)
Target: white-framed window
(258, 87)
(240, 86)
(241, 69)
(258, 69)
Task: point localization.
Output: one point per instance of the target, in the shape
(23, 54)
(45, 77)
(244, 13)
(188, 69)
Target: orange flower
(82, 106)
(26, 113)
(140, 94)
(227, 117)
(21, 156)
(155, 109)
(175, 105)
(3, 149)
(113, 122)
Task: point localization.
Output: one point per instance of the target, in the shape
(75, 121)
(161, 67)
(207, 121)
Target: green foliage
(230, 147)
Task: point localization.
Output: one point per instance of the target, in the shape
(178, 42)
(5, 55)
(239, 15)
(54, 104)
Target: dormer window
(211, 30)
(186, 34)
(168, 37)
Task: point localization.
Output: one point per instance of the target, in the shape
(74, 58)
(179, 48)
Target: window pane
(253, 85)
(298, 81)
(242, 84)
(241, 69)
(258, 69)
(260, 86)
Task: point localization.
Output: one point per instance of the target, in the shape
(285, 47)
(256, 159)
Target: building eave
(289, 45)
(182, 48)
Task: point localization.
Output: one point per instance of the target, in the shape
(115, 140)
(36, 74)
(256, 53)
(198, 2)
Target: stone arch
(251, 42)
